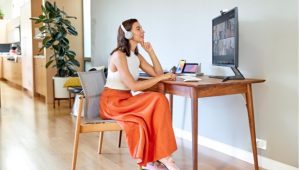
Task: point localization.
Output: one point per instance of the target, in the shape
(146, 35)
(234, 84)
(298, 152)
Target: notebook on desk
(189, 78)
(185, 78)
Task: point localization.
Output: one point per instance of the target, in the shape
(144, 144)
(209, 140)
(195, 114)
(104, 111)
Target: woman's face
(138, 32)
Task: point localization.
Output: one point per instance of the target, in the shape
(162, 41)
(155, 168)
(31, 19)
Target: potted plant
(1, 14)
(56, 26)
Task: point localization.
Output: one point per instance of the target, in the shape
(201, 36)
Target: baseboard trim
(246, 156)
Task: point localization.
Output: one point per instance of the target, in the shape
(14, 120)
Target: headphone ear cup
(128, 35)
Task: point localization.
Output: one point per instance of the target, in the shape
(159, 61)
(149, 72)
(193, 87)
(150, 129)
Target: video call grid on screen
(223, 37)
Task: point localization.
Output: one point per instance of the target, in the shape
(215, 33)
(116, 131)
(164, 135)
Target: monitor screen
(225, 39)
(4, 48)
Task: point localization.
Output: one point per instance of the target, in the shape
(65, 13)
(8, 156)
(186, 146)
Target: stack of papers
(189, 78)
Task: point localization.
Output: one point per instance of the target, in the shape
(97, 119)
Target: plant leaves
(49, 6)
(49, 63)
(71, 17)
(61, 52)
(71, 53)
(66, 22)
(51, 57)
(75, 62)
(42, 48)
(56, 27)
(34, 18)
(72, 31)
(49, 43)
(62, 73)
(63, 12)
(58, 36)
(42, 28)
(65, 41)
(44, 10)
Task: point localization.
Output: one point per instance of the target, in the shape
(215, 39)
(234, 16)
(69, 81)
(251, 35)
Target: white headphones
(128, 34)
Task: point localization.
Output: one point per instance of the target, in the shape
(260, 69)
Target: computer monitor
(225, 42)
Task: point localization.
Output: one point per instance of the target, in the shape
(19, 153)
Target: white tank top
(114, 80)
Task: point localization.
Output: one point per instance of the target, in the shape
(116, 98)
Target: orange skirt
(146, 119)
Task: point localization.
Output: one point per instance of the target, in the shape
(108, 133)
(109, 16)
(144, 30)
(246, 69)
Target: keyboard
(189, 78)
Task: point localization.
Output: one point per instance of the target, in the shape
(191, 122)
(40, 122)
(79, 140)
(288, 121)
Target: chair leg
(120, 138)
(75, 147)
(77, 132)
(70, 105)
(100, 142)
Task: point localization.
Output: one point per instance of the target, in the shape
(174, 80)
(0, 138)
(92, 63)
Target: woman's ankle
(169, 163)
(155, 166)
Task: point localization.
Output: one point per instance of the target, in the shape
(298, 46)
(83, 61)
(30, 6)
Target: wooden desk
(208, 87)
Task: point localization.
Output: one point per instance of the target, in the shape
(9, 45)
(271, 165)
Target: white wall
(87, 28)
(6, 7)
(26, 47)
(11, 8)
(268, 49)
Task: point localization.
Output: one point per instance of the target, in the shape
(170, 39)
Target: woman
(145, 117)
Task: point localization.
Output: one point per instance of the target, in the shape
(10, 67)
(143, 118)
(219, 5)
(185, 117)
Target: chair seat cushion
(72, 82)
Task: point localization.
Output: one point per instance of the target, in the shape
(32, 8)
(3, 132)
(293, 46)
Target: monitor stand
(237, 75)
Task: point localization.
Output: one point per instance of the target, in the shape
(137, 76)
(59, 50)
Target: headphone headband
(123, 28)
(128, 34)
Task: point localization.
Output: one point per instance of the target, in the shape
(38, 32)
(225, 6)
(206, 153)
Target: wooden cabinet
(3, 34)
(12, 71)
(1, 71)
(40, 76)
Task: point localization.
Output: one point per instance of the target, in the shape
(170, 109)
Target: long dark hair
(123, 43)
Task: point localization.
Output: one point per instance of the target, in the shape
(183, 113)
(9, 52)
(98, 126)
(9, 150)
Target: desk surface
(206, 81)
(206, 87)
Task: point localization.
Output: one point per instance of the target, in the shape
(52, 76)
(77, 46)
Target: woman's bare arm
(119, 60)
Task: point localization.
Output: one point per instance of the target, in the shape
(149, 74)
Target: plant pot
(60, 91)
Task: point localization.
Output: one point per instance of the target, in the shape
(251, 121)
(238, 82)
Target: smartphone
(180, 66)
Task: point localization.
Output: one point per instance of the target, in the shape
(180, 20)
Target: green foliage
(1, 14)
(55, 29)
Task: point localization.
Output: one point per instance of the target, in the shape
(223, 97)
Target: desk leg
(251, 123)
(194, 105)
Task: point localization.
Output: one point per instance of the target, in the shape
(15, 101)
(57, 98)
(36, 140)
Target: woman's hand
(168, 76)
(147, 47)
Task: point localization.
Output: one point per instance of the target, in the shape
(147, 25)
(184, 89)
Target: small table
(209, 87)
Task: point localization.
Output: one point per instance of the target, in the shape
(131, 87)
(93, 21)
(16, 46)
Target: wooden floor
(36, 137)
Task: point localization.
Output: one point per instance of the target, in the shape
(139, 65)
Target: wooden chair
(92, 84)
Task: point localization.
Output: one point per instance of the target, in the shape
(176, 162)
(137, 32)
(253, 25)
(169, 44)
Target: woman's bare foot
(154, 166)
(169, 163)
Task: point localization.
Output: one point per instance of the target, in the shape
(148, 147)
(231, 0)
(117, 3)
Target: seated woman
(146, 117)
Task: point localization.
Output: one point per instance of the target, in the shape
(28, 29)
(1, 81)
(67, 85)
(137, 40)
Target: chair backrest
(92, 84)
